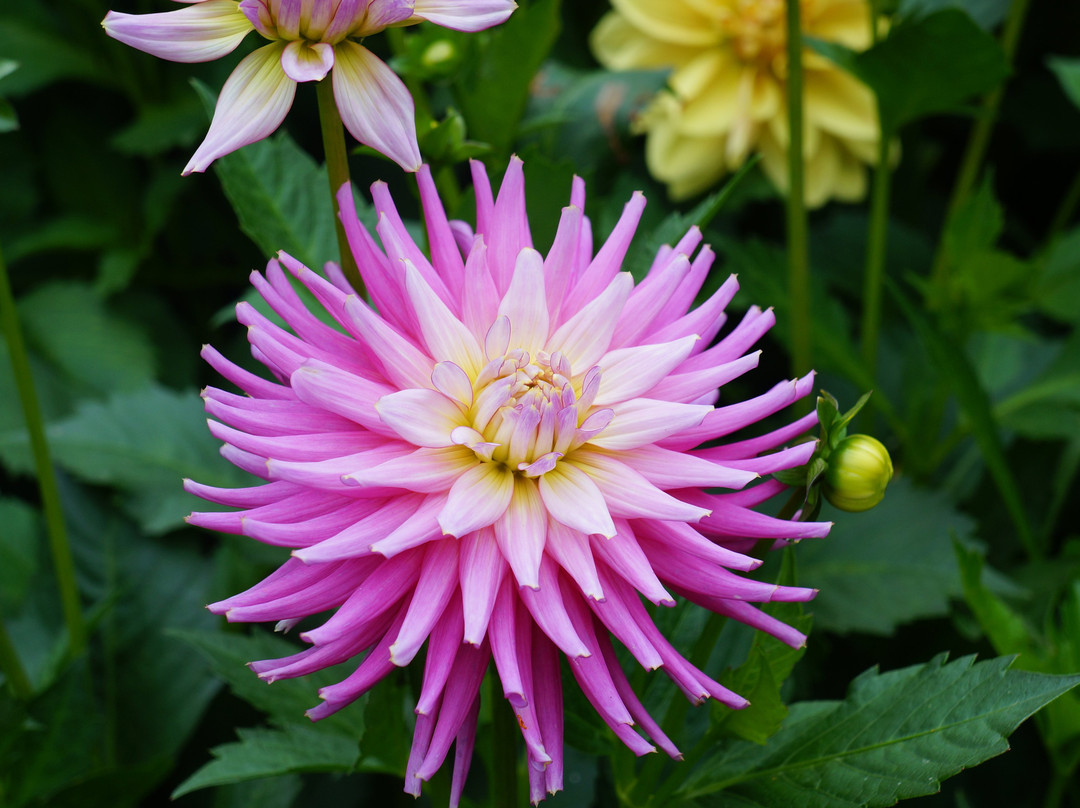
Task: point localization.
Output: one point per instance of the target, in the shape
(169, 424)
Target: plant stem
(63, 563)
(798, 257)
(977, 142)
(877, 239)
(12, 667)
(337, 171)
(504, 752)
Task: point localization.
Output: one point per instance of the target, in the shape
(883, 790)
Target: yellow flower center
(757, 29)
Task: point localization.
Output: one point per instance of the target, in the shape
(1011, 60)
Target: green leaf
(70, 326)
(896, 735)
(494, 86)
(1068, 73)
(9, 119)
(20, 538)
(162, 126)
(44, 54)
(1057, 288)
(143, 442)
(887, 566)
(271, 752)
(975, 404)
(926, 66)
(284, 701)
(280, 196)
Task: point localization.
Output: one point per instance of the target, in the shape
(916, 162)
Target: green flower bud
(859, 470)
(438, 54)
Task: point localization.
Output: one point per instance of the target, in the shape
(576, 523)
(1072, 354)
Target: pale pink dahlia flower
(308, 40)
(498, 457)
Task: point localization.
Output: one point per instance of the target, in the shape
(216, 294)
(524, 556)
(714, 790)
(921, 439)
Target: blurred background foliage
(121, 269)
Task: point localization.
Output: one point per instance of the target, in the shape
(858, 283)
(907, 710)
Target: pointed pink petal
(667, 469)
(574, 500)
(438, 580)
(425, 470)
(422, 417)
(524, 303)
(478, 498)
(629, 372)
(585, 337)
(375, 105)
(404, 364)
(252, 104)
(445, 335)
(628, 494)
(473, 16)
(198, 33)
(645, 420)
(481, 572)
(522, 531)
(571, 551)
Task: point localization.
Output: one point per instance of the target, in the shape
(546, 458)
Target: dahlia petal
(404, 364)
(547, 694)
(571, 550)
(381, 14)
(198, 33)
(244, 379)
(422, 417)
(444, 334)
(327, 474)
(754, 324)
(477, 499)
(399, 244)
(357, 538)
(776, 461)
(481, 573)
(521, 532)
(509, 231)
(667, 469)
(252, 104)
(420, 528)
(609, 258)
(548, 608)
(585, 337)
(433, 590)
(648, 300)
(688, 387)
(624, 555)
(541, 466)
(242, 497)
(461, 692)
(614, 615)
(445, 255)
(706, 320)
(686, 539)
(446, 639)
(627, 493)
(574, 500)
(560, 264)
(425, 728)
(643, 420)
(458, 16)
(375, 105)
(764, 443)
(464, 744)
(304, 61)
(524, 303)
(729, 520)
(629, 372)
(345, 394)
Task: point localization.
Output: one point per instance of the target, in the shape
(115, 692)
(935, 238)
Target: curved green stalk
(12, 667)
(978, 141)
(337, 171)
(797, 247)
(63, 564)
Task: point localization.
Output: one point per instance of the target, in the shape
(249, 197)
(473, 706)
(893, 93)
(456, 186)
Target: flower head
(308, 40)
(728, 90)
(498, 458)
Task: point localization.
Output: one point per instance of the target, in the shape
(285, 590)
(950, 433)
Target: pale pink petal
(627, 493)
(667, 469)
(304, 61)
(645, 420)
(574, 500)
(437, 582)
(481, 573)
(446, 336)
(422, 417)
(521, 532)
(629, 372)
(524, 303)
(585, 337)
(478, 498)
(425, 470)
(198, 33)
(375, 104)
(475, 15)
(252, 104)
(381, 14)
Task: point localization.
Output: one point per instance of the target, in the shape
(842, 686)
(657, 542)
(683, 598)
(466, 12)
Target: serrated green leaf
(271, 752)
(285, 701)
(494, 84)
(887, 566)
(71, 327)
(144, 443)
(926, 65)
(280, 196)
(896, 735)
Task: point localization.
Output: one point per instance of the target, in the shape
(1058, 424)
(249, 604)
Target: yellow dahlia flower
(728, 90)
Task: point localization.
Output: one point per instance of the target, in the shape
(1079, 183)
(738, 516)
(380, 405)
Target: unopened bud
(438, 53)
(859, 470)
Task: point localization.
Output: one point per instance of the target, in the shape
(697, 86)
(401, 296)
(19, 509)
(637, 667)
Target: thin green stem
(877, 240)
(977, 144)
(63, 563)
(13, 668)
(337, 171)
(504, 777)
(797, 247)
(1066, 210)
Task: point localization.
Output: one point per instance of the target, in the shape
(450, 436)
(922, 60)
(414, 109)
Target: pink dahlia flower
(498, 458)
(308, 40)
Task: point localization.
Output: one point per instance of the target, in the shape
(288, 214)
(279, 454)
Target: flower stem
(977, 143)
(63, 563)
(877, 239)
(12, 667)
(504, 751)
(337, 171)
(798, 257)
